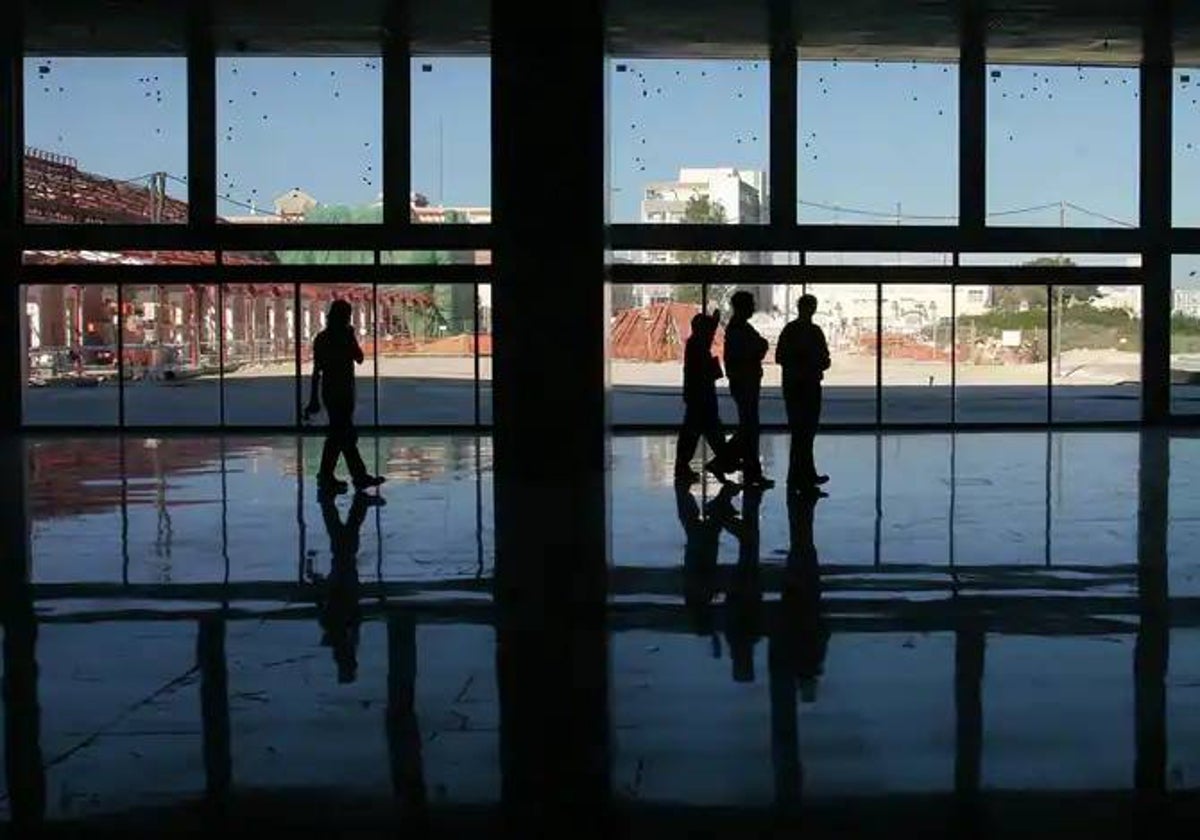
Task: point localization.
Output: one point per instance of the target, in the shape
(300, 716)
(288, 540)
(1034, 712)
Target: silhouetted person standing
(745, 350)
(338, 610)
(744, 595)
(804, 356)
(701, 415)
(803, 626)
(335, 353)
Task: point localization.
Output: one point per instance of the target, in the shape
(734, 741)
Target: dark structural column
(12, 349)
(403, 733)
(202, 117)
(22, 715)
(972, 118)
(969, 642)
(214, 712)
(1152, 650)
(1155, 99)
(550, 325)
(785, 80)
(397, 136)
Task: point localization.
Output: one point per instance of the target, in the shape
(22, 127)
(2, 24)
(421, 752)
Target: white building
(742, 194)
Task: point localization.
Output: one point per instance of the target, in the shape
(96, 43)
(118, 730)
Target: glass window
(914, 504)
(451, 139)
(106, 140)
(916, 349)
(298, 139)
(856, 119)
(1185, 334)
(427, 353)
(1096, 352)
(260, 352)
(1185, 147)
(171, 354)
(648, 327)
(70, 374)
(1001, 354)
(688, 140)
(1062, 146)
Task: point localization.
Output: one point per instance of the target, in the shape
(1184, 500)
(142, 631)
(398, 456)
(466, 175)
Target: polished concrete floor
(974, 626)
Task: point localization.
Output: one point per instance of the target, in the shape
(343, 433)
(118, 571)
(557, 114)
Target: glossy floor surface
(977, 626)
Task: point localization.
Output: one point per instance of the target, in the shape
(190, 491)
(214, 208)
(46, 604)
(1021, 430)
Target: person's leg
(796, 473)
(685, 447)
(753, 466)
(329, 453)
(341, 417)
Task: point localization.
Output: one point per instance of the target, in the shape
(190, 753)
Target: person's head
(742, 303)
(807, 307)
(339, 314)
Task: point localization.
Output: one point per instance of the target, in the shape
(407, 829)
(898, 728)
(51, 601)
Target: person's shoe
(369, 500)
(716, 470)
(331, 486)
(366, 482)
(820, 479)
(686, 476)
(760, 481)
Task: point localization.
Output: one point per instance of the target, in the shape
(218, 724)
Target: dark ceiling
(1051, 31)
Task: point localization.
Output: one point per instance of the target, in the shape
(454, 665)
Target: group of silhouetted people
(803, 355)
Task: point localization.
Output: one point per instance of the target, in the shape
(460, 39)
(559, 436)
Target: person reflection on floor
(700, 554)
(335, 353)
(744, 596)
(803, 629)
(338, 610)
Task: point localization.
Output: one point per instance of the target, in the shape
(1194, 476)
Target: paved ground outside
(1093, 385)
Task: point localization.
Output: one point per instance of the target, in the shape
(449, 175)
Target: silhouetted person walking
(338, 610)
(335, 353)
(804, 356)
(703, 537)
(744, 353)
(701, 415)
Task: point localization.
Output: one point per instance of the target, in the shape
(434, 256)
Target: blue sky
(871, 134)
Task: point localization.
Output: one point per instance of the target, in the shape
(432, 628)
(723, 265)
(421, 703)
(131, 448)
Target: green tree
(702, 210)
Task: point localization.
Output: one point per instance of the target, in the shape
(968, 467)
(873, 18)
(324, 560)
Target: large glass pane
(1185, 334)
(260, 353)
(315, 300)
(688, 140)
(846, 313)
(1096, 352)
(916, 349)
(1185, 147)
(172, 356)
(69, 336)
(914, 526)
(451, 139)
(1062, 146)
(857, 118)
(106, 140)
(426, 354)
(486, 336)
(1001, 354)
(299, 139)
(650, 323)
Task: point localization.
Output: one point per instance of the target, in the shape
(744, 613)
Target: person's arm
(782, 347)
(357, 351)
(823, 347)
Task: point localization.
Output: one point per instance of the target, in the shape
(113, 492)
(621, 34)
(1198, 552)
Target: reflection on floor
(989, 621)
